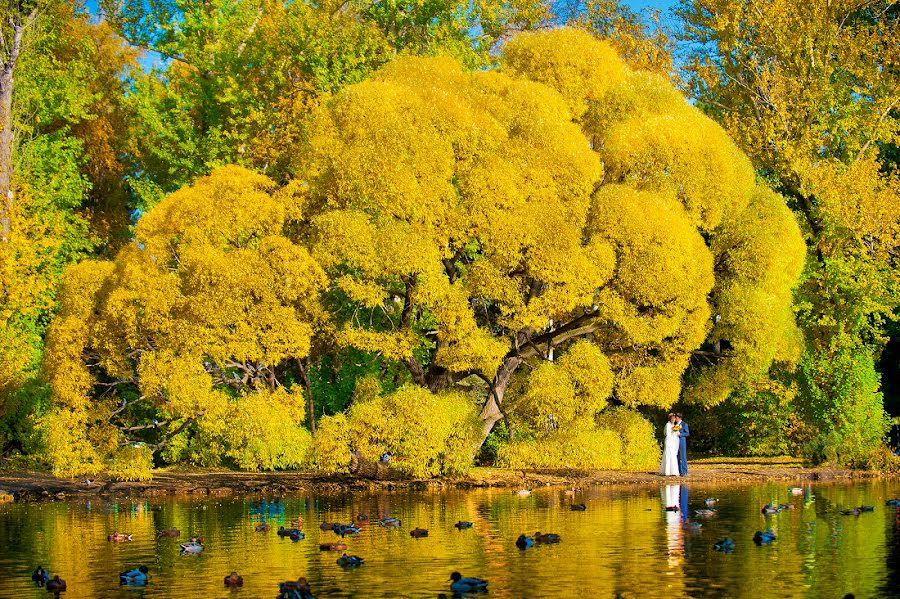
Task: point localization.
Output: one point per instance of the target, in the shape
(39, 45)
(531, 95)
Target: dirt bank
(35, 486)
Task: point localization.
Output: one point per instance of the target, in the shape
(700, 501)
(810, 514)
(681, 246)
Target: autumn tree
(64, 190)
(470, 229)
(811, 92)
(182, 347)
(641, 39)
(234, 81)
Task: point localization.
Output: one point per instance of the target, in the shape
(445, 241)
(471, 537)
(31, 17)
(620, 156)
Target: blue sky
(662, 5)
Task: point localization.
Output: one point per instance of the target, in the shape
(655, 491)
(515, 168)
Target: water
(625, 542)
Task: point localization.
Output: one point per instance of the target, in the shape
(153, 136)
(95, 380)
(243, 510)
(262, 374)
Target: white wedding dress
(670, 452)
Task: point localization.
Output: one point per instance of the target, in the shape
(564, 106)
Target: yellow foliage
(589, 370)
(409, 171)
(331, 444)
(640, 449)
(585, 449)
(568, 60)
(426, 434)
(263, 430)
(205, 304)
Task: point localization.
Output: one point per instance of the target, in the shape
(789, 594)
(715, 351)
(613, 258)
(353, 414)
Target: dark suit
(682, 449)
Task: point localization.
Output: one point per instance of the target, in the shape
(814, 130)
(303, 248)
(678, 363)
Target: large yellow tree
(473, 222)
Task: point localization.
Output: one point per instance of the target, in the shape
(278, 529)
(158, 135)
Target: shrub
(426, 434)
(640, 449)
(331, 444)
(582, 449)
(264, 430)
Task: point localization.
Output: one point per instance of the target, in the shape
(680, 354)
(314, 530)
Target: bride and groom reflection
(675, 501)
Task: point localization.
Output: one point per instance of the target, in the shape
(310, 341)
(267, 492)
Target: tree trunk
(6, 146)
(18, 22)
(310, 404)
(491, 412)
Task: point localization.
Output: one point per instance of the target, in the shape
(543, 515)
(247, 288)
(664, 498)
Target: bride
(670, 449)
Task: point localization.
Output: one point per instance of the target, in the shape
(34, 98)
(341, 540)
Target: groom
(684, 433)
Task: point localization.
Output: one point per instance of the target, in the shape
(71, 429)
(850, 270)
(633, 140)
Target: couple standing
(674, 461)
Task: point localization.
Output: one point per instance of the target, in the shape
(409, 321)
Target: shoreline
(39, 486)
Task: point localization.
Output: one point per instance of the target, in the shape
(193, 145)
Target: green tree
(63, 135)
(811, 91)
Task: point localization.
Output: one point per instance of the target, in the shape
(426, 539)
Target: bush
(640, 449)
(582, 449)
(425, 434)
(882, 460)
(264, 431)
(331, 444)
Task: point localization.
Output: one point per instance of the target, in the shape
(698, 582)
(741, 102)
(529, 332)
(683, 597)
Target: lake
(625, 542)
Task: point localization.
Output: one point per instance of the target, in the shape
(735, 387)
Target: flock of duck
(300, 588)
(765, 537)
(459, 585)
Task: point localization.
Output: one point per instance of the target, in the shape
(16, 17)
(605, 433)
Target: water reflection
(625, 542)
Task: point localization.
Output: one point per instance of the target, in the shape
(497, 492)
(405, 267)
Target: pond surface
(625, 542)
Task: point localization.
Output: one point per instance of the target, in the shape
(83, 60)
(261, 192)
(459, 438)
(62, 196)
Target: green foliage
(335, 376)
(839, 394)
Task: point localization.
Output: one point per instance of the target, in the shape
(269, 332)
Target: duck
(56, 584)
(346, 529)
(795, 490)
(764, 538)
(286, 532)
(866, 508)
(523, 492)
(192, 548)
(770, 509)
(786, 506)
(233, 580)
(388, 522)
(262, 527)
(726, 545)
(892, 503)
(296, 535)
(854, 512)
(547, 538)
(169, 532)
(671, 508)
(524, 542)
(326, 526)
(705, 513)
(418, 533)
(295, 589)
(462, 585)
(134, 577)
(350, 561)
(40, 576)
(118, 537)
(463, 524)
(362, 517)
(332, 547)
(710, 501)
(578, 507)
